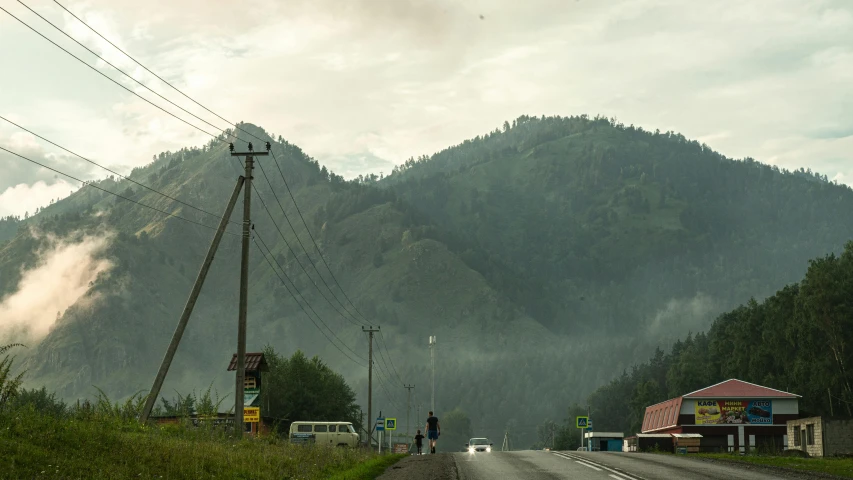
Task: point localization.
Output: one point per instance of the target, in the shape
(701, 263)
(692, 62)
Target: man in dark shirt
(419, 441)
(433, 429)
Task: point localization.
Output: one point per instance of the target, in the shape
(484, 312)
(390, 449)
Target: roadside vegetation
(842, 467)
(43, 437)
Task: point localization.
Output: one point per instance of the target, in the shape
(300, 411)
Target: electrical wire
(218, 137)
(115, 67)
(385, 342)
(295, 256)
(141, 65)
(214, 126)
(316, 246)
(105, 75)
(264, 173)
(299, 294)
(113, 171)
(90, 184)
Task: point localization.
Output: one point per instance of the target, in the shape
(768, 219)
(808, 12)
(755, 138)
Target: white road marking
(579, 459)
(588, 465)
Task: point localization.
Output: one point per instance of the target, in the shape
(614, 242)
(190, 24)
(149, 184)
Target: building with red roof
(731, 415)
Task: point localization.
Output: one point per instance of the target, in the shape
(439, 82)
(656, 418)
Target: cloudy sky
(361, 85)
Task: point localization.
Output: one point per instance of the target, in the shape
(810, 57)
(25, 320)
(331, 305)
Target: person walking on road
(419, 442)
(433, 429)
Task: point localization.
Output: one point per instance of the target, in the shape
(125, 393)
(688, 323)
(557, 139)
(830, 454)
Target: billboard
(718, 412)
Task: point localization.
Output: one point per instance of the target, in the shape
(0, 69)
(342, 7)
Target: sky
(362, 85)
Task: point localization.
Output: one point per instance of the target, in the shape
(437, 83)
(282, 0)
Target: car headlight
(471, 449)
(488, 449)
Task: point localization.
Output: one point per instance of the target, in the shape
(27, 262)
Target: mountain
(546, 258)
(616, 225)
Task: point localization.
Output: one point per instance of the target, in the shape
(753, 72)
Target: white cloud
(22, 198)
(400, 78)
(59, 280)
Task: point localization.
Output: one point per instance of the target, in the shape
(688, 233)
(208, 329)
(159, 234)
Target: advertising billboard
(717, 412)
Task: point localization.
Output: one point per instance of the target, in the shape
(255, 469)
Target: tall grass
(41, 437)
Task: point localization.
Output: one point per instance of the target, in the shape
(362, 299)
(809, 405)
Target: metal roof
(661, 415)
(254, 362)
(734, 388)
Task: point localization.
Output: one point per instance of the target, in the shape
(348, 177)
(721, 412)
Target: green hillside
(546, 258)
(612, 221)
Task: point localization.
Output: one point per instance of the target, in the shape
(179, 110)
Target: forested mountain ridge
(612, 220)
(796, 341)
(527, 252)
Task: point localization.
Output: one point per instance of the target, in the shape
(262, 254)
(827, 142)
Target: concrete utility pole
(432, 362)
(188, 308)
(244, 283)
(408, 411)
(370, 331)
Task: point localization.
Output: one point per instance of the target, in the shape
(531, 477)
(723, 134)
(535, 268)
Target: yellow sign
(252, 414)
(390, 424)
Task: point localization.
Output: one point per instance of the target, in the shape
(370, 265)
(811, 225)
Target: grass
(35, 445)
(370, 469)
(842, 467)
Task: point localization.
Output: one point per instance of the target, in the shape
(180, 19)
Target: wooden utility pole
(370, 331)
(408, 410)
(244, 282)
(188, 308)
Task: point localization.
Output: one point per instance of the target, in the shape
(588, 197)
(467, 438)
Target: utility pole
(432, 362)
(244, 282)
(408, 410)
(370, 331)
(188, 308)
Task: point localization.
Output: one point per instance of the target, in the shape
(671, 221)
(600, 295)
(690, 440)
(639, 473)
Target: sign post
(380, 427)
(390, 425)
(581, 423)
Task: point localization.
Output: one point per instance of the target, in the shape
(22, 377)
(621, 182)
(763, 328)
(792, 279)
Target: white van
(336, 434)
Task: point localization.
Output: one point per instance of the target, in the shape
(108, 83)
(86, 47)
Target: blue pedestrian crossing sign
(380, 424)
(582, 422)
(390, 424)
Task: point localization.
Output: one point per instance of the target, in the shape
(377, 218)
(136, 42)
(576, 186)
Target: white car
(479, 445)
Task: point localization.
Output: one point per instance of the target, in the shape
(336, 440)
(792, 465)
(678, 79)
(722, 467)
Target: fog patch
(61, 277)
(681, 316)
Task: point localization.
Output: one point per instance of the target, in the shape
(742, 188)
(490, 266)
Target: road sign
(390, 424)
(252, 414)
(380, 424)
(582, 422)
(589, 424)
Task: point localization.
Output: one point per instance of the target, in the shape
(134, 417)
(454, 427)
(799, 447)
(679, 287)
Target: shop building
(730, 416)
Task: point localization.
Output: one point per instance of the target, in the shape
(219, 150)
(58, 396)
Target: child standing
(419, 441)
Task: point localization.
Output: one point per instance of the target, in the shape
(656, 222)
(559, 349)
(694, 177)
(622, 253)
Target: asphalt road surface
(540, 465)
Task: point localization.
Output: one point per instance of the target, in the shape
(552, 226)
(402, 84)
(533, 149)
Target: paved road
(539, 465)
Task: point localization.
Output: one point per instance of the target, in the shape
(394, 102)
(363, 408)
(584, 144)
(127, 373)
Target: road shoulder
(422, 467)
(783, 472)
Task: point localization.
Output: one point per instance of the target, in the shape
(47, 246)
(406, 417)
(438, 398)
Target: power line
(112, 171)
(141, 65)
(316, 246)
(295, 256)
(299, 294)
(90, 184)
(105, 75)
(264, 173)
(115, 67)
(204, 131)
(385, 342)
(319, 252)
